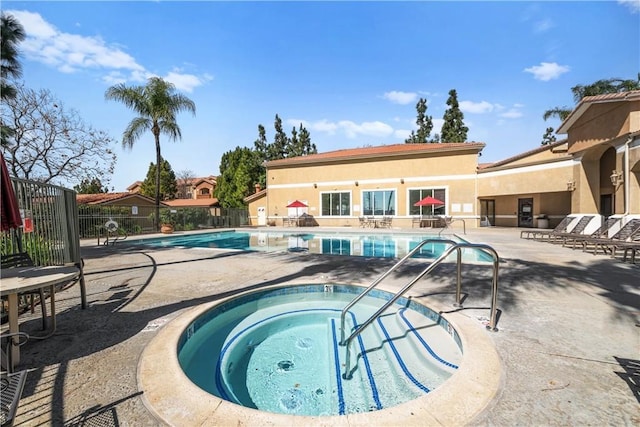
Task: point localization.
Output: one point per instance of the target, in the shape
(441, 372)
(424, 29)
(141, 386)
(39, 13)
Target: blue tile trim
(423, 342)
(367, 365)
(400, 361)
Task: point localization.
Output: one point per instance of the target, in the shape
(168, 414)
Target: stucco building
(595, 170)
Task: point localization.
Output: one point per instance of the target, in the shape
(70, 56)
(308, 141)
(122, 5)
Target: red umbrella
(428, 201)
(9, 210)
(297, 204)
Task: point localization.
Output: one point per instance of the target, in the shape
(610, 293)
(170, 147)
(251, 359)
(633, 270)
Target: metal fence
(141, 219)
(50, 230)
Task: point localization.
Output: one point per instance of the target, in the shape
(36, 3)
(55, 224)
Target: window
(419, 194)
(379, 202)
(336, 204)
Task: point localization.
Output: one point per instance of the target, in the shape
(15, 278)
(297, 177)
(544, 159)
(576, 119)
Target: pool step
(398, 351)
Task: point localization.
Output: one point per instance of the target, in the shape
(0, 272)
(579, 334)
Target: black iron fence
(141, 219)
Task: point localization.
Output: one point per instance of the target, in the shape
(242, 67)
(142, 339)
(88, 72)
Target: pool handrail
(381, 278)
(455, 246)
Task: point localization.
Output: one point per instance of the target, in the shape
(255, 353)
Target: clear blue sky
(351, 72)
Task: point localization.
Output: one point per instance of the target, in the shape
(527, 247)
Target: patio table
(22, 279)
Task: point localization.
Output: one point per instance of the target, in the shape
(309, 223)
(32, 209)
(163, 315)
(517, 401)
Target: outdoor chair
(385, 222)
(628, 233)
(362, 221)
(579, 228)
(540, 234)
(22, 259)
(601, 233)
(11, 383)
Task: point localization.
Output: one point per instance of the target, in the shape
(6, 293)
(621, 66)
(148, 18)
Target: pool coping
(173, 399)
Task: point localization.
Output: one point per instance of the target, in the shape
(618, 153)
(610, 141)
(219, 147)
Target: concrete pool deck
(568, 340)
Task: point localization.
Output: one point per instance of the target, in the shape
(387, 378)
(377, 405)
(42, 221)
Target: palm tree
(599, 87)
(11, 34)
(157, 104)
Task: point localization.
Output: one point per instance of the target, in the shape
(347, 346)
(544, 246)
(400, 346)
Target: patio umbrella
(297, 204)
(428, 201)
(9, 210)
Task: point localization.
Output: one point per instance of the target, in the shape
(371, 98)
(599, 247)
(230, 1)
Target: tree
(157, 105)
(11, 34)
(91, 186)
(301, 144)
(279, 148)
(168, 186)
(240, 169)
(184, 182)
(548, 137)
(283, 147)
(599, 87)
(52, 144)
(424, 122)
(453, 128)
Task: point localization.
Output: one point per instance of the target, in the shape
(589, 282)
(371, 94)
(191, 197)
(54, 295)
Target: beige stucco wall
(455, 172)
(603, 122)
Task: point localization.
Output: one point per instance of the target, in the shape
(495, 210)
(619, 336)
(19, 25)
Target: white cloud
(71, 53)
(633, 5)
(186, 82)
(547, 71)
(402, 133)
(476, 107)
(324, 126)
(402, 98)
(511, 114)
(376, 128)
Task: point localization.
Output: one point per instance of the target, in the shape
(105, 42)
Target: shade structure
(297, 204)
(428, 201)
(9, 209)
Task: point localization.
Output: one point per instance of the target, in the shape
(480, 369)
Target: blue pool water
(278, 351)
(356, 244)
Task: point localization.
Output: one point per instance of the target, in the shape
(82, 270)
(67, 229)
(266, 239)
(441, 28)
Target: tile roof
(181, 203)
(255, 196)
(588, 101)
(100, 198)
(537, 150)
(379, 151)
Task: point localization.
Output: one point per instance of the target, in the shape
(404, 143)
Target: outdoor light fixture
(315, 185)
(571, 185)
(356, 183)
(616, 177)
(401, 180)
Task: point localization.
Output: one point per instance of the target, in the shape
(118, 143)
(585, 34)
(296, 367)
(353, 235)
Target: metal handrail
(457, 247)
(381, 278)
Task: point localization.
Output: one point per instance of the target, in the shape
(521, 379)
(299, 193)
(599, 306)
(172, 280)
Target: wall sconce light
(356, 183)
(401, 180)
(616, 177)
(571, 185)
(315, 185)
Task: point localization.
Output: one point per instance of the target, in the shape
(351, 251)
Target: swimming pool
(382, 245)
(279, 351)
(176, 400)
